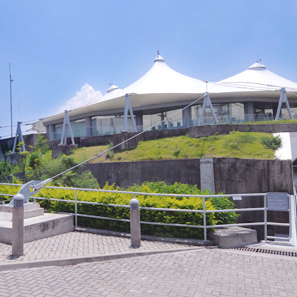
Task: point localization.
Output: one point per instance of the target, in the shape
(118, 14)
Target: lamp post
(10, 81)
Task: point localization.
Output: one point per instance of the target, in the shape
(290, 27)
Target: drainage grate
(265, 251)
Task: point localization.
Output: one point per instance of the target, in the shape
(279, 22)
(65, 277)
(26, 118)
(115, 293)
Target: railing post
(135, 223)
(204, 220)
(75, 208)
(265, 218)
(293, 232)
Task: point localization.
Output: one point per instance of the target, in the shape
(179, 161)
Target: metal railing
(264, 223)
(102, 130)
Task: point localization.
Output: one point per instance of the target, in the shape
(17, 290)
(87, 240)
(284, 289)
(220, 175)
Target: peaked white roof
(161, 79)
(163, 87)
(258, 77)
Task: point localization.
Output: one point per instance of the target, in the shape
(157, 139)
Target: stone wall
(202, 131)
(234, 175)
(230, 175)
(126, 174)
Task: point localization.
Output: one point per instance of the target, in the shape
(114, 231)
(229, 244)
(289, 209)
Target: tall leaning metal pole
(10, 81)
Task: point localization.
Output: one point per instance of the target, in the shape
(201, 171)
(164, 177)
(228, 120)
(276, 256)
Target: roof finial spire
(159, 58)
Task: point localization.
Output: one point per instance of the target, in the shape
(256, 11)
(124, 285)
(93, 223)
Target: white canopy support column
(88, 125)
(128, 107)
(139, 121)
(66, 124)
(51, 129)
(283, 99)
(21, 139)
(187, 117)
(207, 103)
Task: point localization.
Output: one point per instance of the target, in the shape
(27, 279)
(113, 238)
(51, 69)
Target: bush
(272, 142)
(124, 213)
(180, 202)
(179, 188)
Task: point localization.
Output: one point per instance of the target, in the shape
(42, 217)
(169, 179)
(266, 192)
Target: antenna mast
(10, 81)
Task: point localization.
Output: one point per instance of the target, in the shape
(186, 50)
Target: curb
(80, 260)
(195, 242)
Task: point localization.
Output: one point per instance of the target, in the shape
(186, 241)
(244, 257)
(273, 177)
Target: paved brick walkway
(203, 272)
(179, 271)
(79, 244)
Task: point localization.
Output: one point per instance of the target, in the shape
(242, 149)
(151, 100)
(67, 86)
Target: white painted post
(18, 225)
(204, 220)
(75, 207)
(135, 223)
(265, 218)
(293, 222)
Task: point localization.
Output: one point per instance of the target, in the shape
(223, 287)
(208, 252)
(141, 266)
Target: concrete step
(44, 226)
(233, 237)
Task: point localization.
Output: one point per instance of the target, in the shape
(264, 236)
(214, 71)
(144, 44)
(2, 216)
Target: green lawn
(235, 144)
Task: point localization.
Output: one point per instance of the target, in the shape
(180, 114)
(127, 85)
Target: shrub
(105, 210)
(272, 142)
(110, 153)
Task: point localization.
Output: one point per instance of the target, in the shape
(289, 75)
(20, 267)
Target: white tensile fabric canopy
(258, 77)
(162, 87)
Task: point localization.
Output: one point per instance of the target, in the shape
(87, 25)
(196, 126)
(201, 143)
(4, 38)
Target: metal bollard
(135, 223)
(18, 225)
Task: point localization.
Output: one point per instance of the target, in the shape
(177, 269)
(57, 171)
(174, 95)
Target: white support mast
(207, 103)
(66, 125)
(128, 107)
(21, 139)
(283, 99)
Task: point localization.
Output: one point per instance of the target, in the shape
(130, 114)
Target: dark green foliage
(176, 152)
(38, 165)
(41, 144)
(110, 153)
(5, 170)
(224, 217)
(179, 188)
(272, 142)
(168, 217)
(74, 178)
(34, 159)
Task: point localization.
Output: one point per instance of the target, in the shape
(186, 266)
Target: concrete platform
(39, 227)
(30, 210)
(233, 237)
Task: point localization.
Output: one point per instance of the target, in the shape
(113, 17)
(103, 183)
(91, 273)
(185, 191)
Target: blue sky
(56, 47)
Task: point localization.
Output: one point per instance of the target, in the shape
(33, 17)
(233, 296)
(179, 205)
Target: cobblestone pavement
(203, 272)
(80, 244)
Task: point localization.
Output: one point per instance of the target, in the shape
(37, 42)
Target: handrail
(264, 223)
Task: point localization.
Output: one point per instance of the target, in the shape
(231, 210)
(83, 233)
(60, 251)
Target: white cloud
(85, 96)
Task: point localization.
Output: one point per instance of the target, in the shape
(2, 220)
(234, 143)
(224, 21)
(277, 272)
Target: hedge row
(180, 202)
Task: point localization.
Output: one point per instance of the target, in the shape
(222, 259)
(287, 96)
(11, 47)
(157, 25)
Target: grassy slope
(236, 144)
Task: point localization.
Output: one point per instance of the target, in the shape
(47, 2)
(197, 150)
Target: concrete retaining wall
(126, 174)
(231, 175)
(202, 131)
